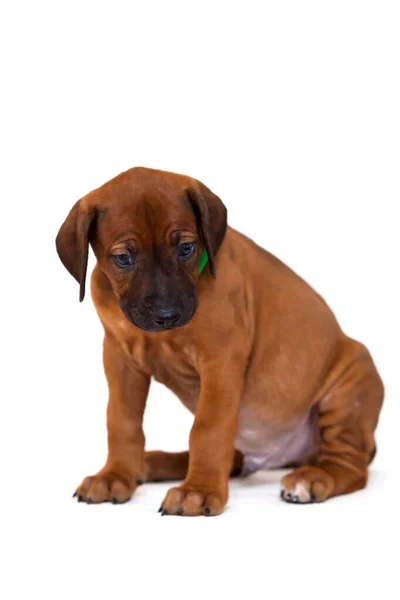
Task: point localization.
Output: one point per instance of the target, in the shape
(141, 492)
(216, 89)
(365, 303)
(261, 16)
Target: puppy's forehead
(144, 203)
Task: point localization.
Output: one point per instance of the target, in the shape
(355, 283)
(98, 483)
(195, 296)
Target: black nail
(313, 498)
(160, 509)
(207, 511)
(114, 501)
(139, 482)
(164, 512)
(74, 495)
(79, 498)
(89, 501)
(282, 493)
(288, 495)
(179, 511)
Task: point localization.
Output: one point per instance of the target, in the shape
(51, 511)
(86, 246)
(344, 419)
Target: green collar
(203, 260)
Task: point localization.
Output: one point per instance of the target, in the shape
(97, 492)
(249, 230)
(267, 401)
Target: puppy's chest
(171, 362)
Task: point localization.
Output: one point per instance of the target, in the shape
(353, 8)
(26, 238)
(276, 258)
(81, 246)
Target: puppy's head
(147, 229)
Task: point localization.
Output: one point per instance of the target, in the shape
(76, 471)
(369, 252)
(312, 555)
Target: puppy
(246, 345)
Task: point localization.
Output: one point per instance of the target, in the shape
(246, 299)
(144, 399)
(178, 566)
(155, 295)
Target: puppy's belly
(265, 446)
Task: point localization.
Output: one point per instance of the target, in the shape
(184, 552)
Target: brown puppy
(246, 345)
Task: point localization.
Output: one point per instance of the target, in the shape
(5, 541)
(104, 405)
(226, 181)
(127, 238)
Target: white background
(289, 111)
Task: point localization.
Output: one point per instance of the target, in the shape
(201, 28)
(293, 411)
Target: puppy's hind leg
(348, 415)
(171, 466)
(166, 466)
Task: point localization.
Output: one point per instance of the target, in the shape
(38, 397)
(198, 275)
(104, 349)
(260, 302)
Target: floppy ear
(211, 214)
(72, 243)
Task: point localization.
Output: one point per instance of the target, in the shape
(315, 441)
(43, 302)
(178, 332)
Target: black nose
(166, 317)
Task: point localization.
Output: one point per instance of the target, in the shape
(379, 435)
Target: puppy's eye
(186, 249)
(123, 260)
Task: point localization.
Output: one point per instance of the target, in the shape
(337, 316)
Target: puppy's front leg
(124, 468)
(205, 489)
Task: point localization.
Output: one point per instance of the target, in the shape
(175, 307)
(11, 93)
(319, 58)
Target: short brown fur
(261, 347)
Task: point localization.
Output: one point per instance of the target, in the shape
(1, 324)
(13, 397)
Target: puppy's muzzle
(159, 318)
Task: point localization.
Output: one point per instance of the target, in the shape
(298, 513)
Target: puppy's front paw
(106, 487)
(193, 501)
(306, 485)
